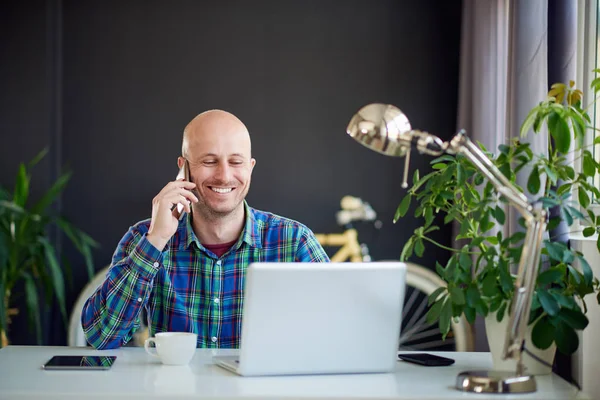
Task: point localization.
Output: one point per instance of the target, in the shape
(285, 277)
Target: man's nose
(223, 172)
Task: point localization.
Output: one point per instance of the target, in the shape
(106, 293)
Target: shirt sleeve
(112, 314)
(309, 248)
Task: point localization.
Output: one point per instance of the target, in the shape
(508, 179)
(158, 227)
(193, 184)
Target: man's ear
(252, 164)
(180, 162)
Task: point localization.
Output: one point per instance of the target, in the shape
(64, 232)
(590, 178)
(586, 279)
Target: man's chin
(219, 210)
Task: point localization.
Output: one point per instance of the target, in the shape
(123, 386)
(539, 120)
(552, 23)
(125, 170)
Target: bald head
(209, 124)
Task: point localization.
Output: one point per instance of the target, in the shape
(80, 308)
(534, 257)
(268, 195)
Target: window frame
(588, 41)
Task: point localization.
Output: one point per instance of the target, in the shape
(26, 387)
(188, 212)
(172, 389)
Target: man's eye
(209, 162)
(236, 162)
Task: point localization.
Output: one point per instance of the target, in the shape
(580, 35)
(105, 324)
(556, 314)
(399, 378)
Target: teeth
(222, 190)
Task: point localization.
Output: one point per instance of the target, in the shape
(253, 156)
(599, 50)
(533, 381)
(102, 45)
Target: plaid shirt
(186, 287)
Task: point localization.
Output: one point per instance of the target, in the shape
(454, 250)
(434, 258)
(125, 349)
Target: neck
(212, 229)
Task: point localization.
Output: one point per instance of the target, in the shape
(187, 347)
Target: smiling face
(217, 147)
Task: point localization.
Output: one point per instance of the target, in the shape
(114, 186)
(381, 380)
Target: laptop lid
(311, 318)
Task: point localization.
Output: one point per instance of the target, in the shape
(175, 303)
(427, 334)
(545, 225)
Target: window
(588, 59)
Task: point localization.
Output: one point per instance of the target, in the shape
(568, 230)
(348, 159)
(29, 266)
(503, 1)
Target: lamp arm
(535, 221)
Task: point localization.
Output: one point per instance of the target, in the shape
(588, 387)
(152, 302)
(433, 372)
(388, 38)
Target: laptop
(319, 318)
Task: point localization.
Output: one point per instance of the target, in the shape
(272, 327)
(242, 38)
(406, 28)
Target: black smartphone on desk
(426, 359)
(81, 363)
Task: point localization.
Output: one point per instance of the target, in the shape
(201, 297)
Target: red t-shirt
(219, 249)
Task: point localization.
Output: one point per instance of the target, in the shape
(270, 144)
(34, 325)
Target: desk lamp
(386, 130)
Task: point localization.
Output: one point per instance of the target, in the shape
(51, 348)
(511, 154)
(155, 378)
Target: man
(189, 273)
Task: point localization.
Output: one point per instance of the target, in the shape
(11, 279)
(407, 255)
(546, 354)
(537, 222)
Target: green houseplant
(478, 272)
(27, 255)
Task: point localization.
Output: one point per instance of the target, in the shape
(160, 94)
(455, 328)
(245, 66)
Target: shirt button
(218, 263)
(139, 299)
(217, 300)
(214, 339)
(155, 265)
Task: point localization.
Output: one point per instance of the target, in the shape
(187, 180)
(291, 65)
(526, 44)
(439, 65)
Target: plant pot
(496, 334)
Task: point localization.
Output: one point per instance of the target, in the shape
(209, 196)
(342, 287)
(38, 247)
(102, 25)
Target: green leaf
(457, 296)
(551, 173)
(575, 275)
(470, 314)
(555, 250)
(416, 176)
(584, 199)
(428, 216)
(407, 250)
(446, 317)
(434, 312)
(488, 286)
(574, 318)
(542, 334)
(436, 293)
(533, 183)
(578, 127)
(589, 167)
(499, 215)
(442, 159)
(50, 196)
(550, 276)
(419, 247)
(473, 295)
(506, 282)
(482, 308)
(492, 240)
(439, 268)
(564, 188)
(465, 260)
(566, 338)
(501, 311)
(56, 274)
(402, 208)
(559, 129)
(528, 123)
(37, 158)
(516, 237)
(588, 275)
(566, 215)
(589, 231)
(549, 303)
(21, 192)
(553, 223)
(460, 175)
(33, 306)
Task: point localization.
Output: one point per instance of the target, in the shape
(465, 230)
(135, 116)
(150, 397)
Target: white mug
(173, 348)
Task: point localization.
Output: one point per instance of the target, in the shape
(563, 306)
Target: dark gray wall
(110, 86)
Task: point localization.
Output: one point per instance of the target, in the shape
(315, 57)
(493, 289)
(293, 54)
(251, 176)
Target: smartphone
(184, 172)
(429, 360)
(82, 363)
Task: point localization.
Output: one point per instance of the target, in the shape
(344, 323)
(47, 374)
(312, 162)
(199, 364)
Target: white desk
(136, 375)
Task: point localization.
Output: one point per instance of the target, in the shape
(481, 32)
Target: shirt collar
(250, 234)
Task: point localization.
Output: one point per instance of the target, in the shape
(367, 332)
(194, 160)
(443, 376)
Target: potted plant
(478, 272)
(28, 259)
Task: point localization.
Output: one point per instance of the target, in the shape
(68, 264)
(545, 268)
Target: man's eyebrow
(216, 155)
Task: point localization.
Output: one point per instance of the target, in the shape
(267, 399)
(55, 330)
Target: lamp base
(495, 382)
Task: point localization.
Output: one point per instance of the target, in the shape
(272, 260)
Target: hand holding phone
(426, 359)
(169, 206)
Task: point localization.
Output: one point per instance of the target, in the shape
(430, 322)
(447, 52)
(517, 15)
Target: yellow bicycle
(416, 333)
